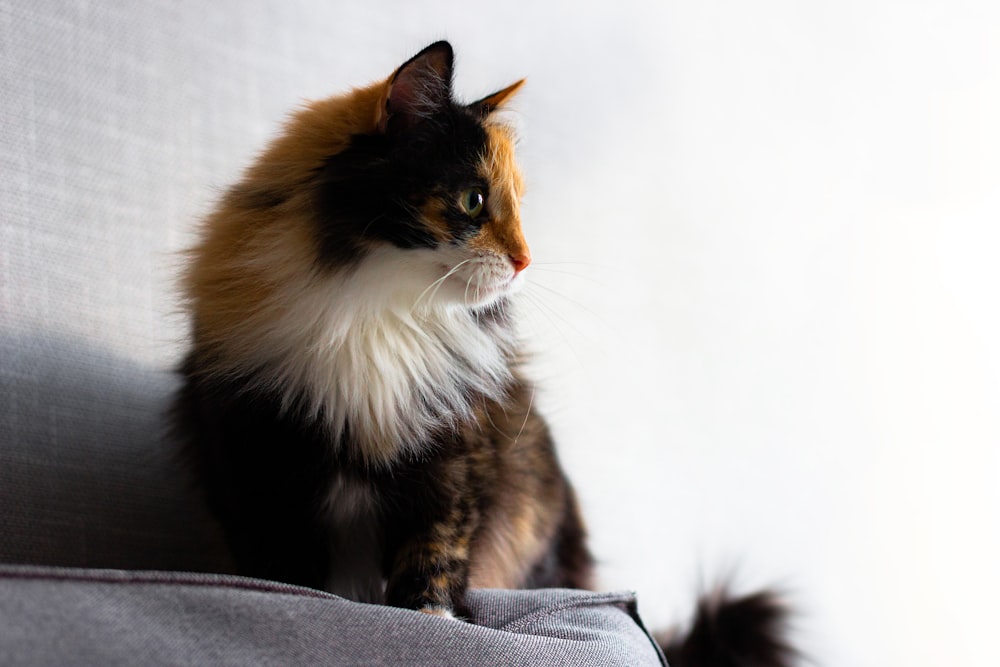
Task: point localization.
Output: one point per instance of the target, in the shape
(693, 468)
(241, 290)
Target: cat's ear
(418, 89)
(491, 103)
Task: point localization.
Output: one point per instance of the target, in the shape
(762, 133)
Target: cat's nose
(520, 261)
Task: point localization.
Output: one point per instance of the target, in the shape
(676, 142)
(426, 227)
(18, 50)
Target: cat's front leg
(429, 569)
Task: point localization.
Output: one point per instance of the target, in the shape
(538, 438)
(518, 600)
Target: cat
(353, 402)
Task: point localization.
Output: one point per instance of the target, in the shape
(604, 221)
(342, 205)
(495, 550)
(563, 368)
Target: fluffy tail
(733, 632)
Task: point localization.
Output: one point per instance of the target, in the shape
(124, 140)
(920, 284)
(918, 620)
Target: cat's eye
(472, 201)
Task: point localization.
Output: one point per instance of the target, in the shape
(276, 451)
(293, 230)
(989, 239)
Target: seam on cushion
(587, 600)
(147, 577)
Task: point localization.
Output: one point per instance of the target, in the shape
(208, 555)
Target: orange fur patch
(501, 97)
(320, 129)
(508, 545)
(502, 234)
(432, 213)
(246, 257)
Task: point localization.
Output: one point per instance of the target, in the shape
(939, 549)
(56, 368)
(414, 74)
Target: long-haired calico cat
(352, 402)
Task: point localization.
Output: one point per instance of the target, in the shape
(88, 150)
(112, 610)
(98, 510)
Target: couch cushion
(114, 617)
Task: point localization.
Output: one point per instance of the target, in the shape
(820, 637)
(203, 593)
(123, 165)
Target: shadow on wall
(87, 472)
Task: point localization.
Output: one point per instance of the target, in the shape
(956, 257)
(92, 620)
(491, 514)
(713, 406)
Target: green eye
(472, 201)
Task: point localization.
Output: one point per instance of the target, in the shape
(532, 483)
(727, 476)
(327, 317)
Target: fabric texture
(104, 165)
(94, 617)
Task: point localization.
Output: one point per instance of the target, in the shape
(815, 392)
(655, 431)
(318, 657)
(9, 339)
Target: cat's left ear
(491, 103)
(417, 90)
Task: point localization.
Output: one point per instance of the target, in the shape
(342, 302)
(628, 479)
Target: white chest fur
(369, 356)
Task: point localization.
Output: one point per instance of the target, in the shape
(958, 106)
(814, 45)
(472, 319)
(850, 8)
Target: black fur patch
(374, 190)
(267, 472)
(734, 632)
(234, 439)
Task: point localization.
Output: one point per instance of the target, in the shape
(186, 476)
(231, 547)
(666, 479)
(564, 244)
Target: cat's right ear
(417, 90)
(491, 103)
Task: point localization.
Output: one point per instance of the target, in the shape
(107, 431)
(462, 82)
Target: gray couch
(115, 117)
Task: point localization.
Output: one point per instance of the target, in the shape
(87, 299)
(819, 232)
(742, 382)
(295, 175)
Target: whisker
(567, 298)
(468, 284)
(486, 411)
(594, 265)
(437, 283)
(592, 279)
(533, 298)
(371, 222)
(441, 282)
(478, 298)
(527, 413)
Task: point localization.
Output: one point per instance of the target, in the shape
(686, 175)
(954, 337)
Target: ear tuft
(491, 103)
(418, 89)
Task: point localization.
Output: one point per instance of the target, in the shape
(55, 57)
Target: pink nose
(520, 262)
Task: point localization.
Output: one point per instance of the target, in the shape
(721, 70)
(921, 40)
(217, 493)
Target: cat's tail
(748, 631)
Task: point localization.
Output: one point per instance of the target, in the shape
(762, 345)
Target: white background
(765, 297)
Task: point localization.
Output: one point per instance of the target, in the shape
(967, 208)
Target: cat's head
(436, 180)
(416, 194)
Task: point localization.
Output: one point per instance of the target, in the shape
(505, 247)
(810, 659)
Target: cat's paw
(443, 612)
